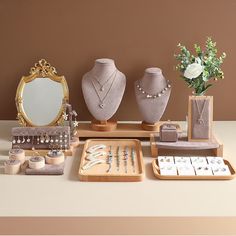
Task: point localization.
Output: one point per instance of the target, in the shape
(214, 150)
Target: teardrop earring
(18, 139)
(23, 140)
(14, 140)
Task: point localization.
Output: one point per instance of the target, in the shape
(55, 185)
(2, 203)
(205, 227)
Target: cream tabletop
(65, 196)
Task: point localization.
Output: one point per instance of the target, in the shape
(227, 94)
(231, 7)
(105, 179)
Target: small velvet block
(168, 133)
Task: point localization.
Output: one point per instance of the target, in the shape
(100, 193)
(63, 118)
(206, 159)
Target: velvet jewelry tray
(128, 172)
(156, 171)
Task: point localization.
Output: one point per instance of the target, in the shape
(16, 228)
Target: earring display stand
(123, 130)
(156, 171)
(103, 125)
(184, 145)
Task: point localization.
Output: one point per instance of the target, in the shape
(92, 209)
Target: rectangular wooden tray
(98, 172)
(156, 172)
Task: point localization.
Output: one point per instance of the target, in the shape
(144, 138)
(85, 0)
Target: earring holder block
(57, 136)
(123, 130)
(99, 172)
(183, 145)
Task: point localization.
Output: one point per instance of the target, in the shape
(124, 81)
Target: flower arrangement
(198, 70)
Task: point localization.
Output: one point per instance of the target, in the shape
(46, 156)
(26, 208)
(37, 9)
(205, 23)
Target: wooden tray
(183, 144)
(98, 172)
(156, 172)
(123, 130)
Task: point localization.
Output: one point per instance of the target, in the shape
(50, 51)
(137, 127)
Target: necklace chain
(200, 119)
(156, 95)
(101, 100)
(103, 84)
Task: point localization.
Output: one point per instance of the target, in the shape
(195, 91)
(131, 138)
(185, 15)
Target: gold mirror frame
(41, 69)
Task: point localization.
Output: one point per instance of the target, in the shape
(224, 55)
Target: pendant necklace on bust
(106, 81)
(200, 120)
(101, 100)
(156, 95)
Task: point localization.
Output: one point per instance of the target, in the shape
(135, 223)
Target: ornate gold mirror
(41, 96)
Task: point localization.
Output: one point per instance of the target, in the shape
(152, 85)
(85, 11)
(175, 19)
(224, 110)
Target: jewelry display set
(36, 164)
(50, 126)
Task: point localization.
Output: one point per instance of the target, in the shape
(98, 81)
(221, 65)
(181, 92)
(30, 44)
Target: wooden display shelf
(156, 171)
(184, 145)
(123, 130)
(99, 172)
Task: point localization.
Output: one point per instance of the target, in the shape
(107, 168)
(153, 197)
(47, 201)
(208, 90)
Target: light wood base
(44, 152)
(150, 127)
(103, 125)
(123, 130)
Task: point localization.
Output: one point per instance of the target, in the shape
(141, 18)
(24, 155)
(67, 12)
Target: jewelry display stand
(121, 172)
(200, 118)
(123, 130)
(103, 125)
(184, 145)
(103, 88)
(156, 171)
(152, 95)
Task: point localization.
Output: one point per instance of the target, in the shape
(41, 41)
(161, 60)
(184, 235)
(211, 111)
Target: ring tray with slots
(41, 138)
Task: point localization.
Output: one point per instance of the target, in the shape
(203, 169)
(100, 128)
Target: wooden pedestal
(150, 127)
(123, 130)
(103, 125)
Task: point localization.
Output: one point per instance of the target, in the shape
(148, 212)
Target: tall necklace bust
(103, 88)
(152, 94)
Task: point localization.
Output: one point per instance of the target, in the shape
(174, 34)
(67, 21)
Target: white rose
(193, 70)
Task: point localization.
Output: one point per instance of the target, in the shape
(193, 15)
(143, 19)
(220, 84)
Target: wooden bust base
(103, 125)
(150, 127)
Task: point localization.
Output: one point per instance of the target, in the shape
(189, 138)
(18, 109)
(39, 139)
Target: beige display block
(64, 205)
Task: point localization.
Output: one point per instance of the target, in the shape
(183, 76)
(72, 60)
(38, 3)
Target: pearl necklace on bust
(157, 95)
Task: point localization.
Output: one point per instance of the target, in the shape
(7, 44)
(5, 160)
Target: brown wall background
(137, 34)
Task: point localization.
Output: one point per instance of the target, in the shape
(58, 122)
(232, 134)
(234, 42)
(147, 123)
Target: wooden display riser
(183, 146)
(123, 130)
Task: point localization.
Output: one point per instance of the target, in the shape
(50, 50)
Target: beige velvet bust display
(153, 82)
(114, 81)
